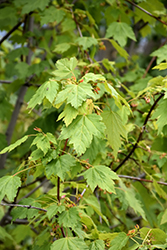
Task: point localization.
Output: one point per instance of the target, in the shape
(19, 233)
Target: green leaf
(42, 142)
(9, 186)
(130, 197)
(14, 145)
(120, 50)
(160, 115)
(21, 69)
(86, 42)
(119, 242)
(5, 236)
(97, 245)
(46, 90)
(80, 132)
(54, 209)
(52, 14)
(164, 217)
(161, 66)
(61, 48)
(161, 54)
(158, 236)
(69, 218)
(93, 77)
(30, 5)
(120, 32)
(71, 243)
(17, 53)
(69, 113)
(75, 94)
(102, 177)
(65, 67)
(60, 166)
(114, 129)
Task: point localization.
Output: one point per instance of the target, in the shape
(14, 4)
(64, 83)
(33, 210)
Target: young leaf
(161, 54)
(86, 42)
(93, 77)
(130, 197)
(120, 32)
(52, 14)
(75, 94)
(60, 166)
(14, 145)
(119, 241)
(161, 66)
(160, 115)
(69, 218)
(42, 141)
(80, 132)
(70, 243)
(120, 50)
(69, 113)
(47, 90)
(102, 177)
(9, 186)
(114, 129)
(65, 68)
(97, 245)
(54, 209)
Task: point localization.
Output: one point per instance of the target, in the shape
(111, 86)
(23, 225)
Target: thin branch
(25, 206)
(33, 190)
(5, 81)
(141, 133)
(10, 32)
(145, 11)
(140, 179)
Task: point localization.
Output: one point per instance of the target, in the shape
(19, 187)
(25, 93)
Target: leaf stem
(25, 206)
(141, 179)
(141, 133)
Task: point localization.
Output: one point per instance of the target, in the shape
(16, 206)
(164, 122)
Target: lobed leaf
(47, 90)
(9, 186)
(80, 132)
(102, 177)
(14, 145)
(70, 243)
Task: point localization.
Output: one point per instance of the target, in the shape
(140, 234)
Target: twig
(25, 206)
(5, 81)
(10, 32)
(145, 11)
(141, 133)
(33, 190)
(140, 179)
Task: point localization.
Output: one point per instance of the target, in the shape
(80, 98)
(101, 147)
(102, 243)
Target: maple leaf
(75, 94)
(70, 243)
(69, 218)
(14, 145)
(114, 129)
(42, 141)
(119, 241)
(9, 186)
(47, 90)
(65, 68)
(160, 115)
(60, 166)
(69, 113)
(120, 32)
(102, 177)
(80, 132)
(86, 42)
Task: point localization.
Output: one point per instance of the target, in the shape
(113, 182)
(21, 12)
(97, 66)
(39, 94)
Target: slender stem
(141, 133)
(10, 32)
(141, 179)
(145, 11)
(25, 206)
(58, 179)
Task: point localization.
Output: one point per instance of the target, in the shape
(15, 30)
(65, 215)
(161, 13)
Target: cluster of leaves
(90, 123)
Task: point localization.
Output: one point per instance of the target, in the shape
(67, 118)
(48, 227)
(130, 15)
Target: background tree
(83, 124)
